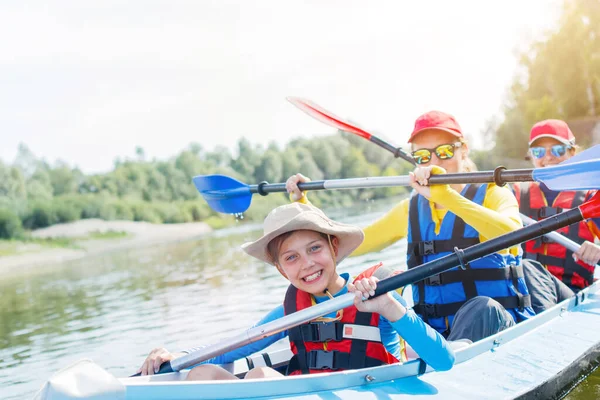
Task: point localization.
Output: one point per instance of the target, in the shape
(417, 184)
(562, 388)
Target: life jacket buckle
(545, 239)
(431, 310)
(435, 280)
(321, 359)
(427, 248)
(546, 212)
(328, 331)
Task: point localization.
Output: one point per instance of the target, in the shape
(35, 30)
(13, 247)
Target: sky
(87, 81)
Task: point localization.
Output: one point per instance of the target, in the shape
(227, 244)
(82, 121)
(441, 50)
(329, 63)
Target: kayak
(537, 358)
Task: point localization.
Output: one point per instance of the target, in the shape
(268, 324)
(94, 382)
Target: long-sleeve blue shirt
(426, 341)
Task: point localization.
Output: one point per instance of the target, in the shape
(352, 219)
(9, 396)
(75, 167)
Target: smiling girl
(306, 246)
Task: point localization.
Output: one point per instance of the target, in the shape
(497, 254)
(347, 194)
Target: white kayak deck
(534, 359)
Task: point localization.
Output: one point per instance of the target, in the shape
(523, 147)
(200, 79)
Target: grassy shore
(64, 242)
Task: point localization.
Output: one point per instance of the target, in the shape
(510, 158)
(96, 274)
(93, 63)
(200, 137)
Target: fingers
(422, 175)
(157, 363)
(291, 185)
(154, 360)
(366, 287)
(589, 253)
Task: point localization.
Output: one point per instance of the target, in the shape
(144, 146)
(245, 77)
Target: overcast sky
(88, 81)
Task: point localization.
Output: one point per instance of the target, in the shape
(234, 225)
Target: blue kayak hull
(535, 359)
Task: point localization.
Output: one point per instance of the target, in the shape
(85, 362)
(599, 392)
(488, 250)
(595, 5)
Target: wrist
(393, 310)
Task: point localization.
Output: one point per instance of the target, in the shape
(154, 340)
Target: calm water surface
(115, 308)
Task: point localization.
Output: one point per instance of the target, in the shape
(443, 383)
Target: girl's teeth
(313, 276)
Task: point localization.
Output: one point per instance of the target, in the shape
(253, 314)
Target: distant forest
(35, 194)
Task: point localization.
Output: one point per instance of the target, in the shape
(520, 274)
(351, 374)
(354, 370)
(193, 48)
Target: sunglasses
(558, 150)
(443, 152)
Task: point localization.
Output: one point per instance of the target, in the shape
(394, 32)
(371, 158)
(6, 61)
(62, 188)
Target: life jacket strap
(547, 260)
(478, 274)
(334, 360)
(545, 212)
(519, 302)
(336, 331)
(431, 247)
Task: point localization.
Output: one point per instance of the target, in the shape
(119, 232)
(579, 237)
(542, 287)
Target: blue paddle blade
(583, 174)
(223, 193)
(589, 154)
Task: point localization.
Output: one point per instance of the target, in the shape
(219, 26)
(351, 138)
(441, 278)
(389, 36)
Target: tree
(271, 168)
(140, 153)
(560, 77)
(308, 166)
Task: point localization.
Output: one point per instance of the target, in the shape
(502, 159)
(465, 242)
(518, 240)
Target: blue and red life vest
(557, 258)
(438, 298)
(349, 343)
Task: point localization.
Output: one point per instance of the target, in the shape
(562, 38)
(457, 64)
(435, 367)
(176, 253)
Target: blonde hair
(468, 164)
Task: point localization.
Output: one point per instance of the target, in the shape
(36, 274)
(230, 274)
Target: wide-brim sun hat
(298, 216)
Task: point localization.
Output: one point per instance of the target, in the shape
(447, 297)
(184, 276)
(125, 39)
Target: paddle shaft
(500, 176)
(460, 257)
(396, 151)
(555, 236)
(320, 114)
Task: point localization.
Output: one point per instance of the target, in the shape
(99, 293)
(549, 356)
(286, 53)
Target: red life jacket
(558, 260)
(349, 343)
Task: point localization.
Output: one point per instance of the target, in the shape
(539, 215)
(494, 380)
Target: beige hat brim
(349, 236)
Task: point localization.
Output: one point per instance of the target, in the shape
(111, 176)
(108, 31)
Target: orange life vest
(558, 260)
(349, 343)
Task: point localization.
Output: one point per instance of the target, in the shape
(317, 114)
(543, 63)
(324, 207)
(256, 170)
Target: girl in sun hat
(552, 142)
(491, 293)
(306, 246)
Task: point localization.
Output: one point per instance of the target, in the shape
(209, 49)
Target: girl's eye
(315, 247)
(290, 258)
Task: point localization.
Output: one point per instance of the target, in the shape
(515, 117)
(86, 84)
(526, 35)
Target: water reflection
(115, 308)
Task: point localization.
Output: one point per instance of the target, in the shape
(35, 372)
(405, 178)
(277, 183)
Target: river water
(115, 308)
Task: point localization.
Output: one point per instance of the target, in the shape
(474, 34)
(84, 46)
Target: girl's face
(305, 258)
(550, 156)
(431, 139)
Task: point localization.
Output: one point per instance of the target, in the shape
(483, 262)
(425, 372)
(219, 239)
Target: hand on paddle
(154, 360)
(385, 305)
(292, 186)
(419, 179)
(589, 253)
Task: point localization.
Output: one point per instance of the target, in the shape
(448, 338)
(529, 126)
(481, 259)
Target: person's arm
(248, 349)
(425, 341)
(498, 215)
(386, 231)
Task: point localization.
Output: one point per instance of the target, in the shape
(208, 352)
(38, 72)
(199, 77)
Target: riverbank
(71, 241)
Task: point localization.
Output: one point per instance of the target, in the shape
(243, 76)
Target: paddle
(555, 236)
(327, 117)
(330, 119)
(590, 209)
(228, 195)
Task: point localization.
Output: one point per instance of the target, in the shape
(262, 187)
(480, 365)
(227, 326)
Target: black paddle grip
(165, 368)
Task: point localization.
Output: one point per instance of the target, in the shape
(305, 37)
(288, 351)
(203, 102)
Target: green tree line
(558, 77)
(35, 194)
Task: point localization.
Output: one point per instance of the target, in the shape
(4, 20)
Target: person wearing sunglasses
(489, 294)
(552, 142)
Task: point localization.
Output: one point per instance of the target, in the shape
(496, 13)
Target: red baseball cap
(552, 128)
(436, 120)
